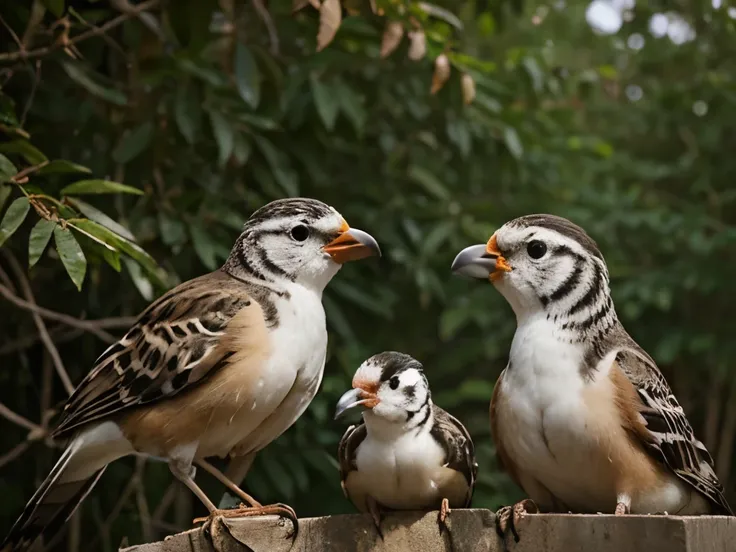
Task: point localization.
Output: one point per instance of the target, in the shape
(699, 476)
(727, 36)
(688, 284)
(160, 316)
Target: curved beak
(482, 261)
(352, 244)
(353, 399)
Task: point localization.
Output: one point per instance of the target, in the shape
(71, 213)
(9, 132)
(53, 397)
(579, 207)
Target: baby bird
(407, 454)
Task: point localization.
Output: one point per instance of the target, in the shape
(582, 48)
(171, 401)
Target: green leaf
(352, 106)
(99, 187)
(142, 284)
(55, 6)
(112, 258)
(203, 246)
(40, 236)
(14, 217)
(61, 166)
(87, 81)
(173, 231)
(247, 76)
(5, 191)
(441, 13)
(72, 256)
(224, 136)
(511, 138)
(99, 217)
(23, 147)
(7, 169)
(326, 102)
(133, 143)
(121, 244)
(279, 165)
(7, 111)
(428, 181)
(187, 112)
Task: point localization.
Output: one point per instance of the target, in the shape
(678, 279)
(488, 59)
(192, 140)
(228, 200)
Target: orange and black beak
(351, 244)
(482, 261)
(363, 395)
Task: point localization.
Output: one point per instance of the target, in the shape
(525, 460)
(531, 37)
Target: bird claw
(375, 511)
(508, 517)
(621, 509)
(242, 510)
(444, 512)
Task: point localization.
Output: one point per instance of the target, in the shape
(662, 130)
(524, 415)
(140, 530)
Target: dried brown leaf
(330, 17)
(391, 38)
(417, 46)
(441, 73)
(468, 87)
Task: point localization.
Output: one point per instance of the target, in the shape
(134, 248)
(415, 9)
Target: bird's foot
(249, 511)
(508, 517)
(621, 509)
(444, 512)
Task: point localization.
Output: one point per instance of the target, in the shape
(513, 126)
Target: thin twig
(14, 453)
(17, 419)
(27, 54)
(91, 326)
(144, 513)
(60, 334)
(43, 332)
(270, 27)
(166, 501)
(12, 33)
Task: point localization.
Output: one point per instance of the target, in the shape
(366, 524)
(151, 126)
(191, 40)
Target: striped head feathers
(297, 239)
(544, 264)
(390, 387)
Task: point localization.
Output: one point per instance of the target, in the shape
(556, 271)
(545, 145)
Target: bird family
(221, 365)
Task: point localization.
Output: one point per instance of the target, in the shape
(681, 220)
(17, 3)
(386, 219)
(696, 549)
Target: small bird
(582, 418)
(408, 453)
(220, 365)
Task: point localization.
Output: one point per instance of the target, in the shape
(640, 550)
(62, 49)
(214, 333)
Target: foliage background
(197, 106)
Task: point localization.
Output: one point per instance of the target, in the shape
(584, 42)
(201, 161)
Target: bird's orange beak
(351, 244)
(501, 264)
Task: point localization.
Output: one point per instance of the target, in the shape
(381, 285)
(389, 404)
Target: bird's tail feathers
(53, 503)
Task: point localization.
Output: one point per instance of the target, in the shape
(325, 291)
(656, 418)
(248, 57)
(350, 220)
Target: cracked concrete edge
(469, 530)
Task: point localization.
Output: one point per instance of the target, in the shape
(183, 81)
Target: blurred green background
(618, 115)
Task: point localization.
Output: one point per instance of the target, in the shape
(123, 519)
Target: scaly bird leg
(222, 478)
(508, 517)
(623, 504)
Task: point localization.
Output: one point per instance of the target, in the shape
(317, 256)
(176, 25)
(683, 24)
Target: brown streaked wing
(174, 344)
(458, 446)
(667, 434)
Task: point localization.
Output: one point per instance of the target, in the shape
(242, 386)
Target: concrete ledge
(470, 530)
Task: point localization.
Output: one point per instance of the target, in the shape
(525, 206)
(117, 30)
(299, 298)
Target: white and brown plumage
(219, 366)
(582, 418)
(407, 454)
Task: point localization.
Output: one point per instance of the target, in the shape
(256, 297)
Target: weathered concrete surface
(470, 530)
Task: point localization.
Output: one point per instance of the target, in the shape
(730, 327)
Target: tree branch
(17, 419)
(43, 332)
(91, 326)
(97, 31)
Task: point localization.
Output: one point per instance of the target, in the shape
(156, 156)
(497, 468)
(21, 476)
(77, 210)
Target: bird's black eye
(536, 249)
(393, 382)
(300, 232)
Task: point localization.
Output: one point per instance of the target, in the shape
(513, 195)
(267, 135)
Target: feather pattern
(174, 345)
(670, 439)
(458, 446)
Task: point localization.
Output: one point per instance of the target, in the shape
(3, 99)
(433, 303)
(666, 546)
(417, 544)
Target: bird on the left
(220, 365)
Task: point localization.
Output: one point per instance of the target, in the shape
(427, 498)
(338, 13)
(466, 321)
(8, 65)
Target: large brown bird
(582, 418)
(219, 366)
